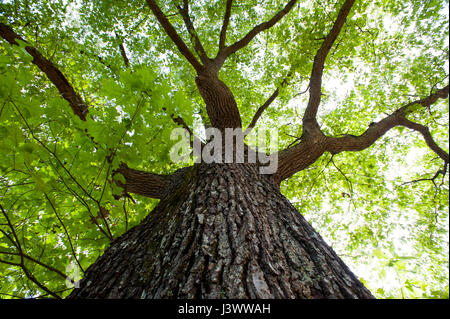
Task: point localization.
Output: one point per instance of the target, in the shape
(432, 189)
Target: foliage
(55, 178)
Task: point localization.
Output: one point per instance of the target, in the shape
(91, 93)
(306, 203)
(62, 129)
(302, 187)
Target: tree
(92, 91)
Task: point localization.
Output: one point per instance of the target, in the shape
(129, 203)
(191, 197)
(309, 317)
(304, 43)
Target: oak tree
(355, 92)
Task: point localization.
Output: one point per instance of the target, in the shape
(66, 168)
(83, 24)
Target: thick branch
(312, 146)
(142, 183)
(172, 33)
(424, 130)
(220, 103)
(297, 158)
(226, 21)
(184, 11)
(256, 30)
(124, 55)
(78, 106)
(315, 84)
(377, 130)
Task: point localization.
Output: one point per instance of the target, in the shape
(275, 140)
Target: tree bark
(220, 103)
(225, 232)
(66, 90)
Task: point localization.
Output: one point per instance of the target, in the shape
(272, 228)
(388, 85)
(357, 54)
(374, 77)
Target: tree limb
(269, 101)
(311, 147)
(424, 130)
(256, 30)
(123, 52)
(398, 118)
(124, 55)
(101, 60)
(184, 11)
(442, 172)
(142, 183)
(221, 105)
(315, 82)
(262, 108)
(54, 155)
(226, 21)
(297, 158)
(179, 121)
(172, 33)
(16, 241)
(66, 90)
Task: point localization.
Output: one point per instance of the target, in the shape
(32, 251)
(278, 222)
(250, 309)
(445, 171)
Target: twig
(65, 230)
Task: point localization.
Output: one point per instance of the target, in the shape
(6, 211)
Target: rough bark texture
(224, 232)
(220, 103)
(142, 183)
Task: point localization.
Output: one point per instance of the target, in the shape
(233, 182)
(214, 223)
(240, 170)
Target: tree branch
(269, 101)
(65, 230)
(123, 52)
(172, 33)
(226, 51)
(99, 59)
(66, 90)
(297, 158)
(179, 121)
(16, 241)
(226, 21)
(442, 172)
(311, 147)
(184, 11)
(315, 82)
(377, 130)
(424, 130)
(40, 263)
(29, 275)
(67, 171)
(124, 55)
(142, 183)
(262, 108)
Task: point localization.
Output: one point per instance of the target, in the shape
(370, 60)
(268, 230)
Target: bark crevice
(227, 233)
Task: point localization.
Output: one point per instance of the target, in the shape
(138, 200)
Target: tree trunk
(225, 231)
